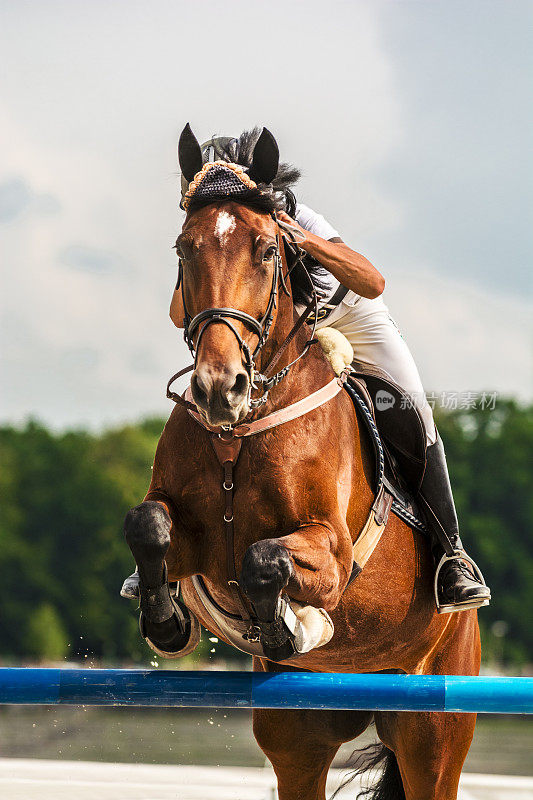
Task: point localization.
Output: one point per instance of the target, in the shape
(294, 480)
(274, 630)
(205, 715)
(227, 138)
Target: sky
(411, 121)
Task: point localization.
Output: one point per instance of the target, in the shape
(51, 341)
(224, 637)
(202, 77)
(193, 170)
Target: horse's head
(229, 255)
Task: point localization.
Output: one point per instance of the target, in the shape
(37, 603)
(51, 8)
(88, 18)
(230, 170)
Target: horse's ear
(265, 159)
(189, 154)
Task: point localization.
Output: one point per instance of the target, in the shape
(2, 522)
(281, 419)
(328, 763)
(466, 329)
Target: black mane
(277, 196)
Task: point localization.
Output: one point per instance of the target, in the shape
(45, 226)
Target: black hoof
(170, 636)
(266, 570)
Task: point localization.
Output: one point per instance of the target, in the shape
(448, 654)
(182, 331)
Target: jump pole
(296, 690)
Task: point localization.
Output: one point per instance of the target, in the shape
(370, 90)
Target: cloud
(368, 105)
(77, 349)
(462, 168)
(80, 358)
(18, 199)
(463, 338)
(90, 259)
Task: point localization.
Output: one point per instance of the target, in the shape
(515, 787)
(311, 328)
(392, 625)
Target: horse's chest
(264, 500)
(276, 485)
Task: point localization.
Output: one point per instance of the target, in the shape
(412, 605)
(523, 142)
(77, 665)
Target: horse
(270, 529)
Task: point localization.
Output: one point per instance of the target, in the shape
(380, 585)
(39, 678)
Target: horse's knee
(266, 570)
(147, 529)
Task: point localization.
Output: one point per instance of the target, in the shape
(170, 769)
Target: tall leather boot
(459, 582)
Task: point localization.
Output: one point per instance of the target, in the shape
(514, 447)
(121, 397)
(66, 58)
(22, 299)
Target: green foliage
(63, 556)
(45, 635)
(490, 455)
(61, 543)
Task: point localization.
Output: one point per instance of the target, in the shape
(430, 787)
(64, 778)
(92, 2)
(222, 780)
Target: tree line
(63, 556)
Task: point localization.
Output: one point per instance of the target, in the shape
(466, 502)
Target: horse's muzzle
(221, 396)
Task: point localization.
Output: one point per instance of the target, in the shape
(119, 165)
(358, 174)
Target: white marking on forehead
(224, 225)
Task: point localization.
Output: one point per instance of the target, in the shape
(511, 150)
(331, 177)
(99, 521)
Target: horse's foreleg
(312, 564)
(322, 554)
(165, 622)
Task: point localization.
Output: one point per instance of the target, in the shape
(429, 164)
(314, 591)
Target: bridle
(258, 381)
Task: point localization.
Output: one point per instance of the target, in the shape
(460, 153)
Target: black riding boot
(459, 582)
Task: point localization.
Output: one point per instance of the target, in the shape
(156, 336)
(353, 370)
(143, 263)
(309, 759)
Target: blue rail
(139, 687)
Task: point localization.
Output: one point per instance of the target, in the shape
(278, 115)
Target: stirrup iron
(450, 608)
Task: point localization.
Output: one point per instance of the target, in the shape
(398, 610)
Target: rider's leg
(377, 341)
(458, 585)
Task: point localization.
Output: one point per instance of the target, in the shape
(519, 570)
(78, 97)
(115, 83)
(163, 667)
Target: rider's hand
(284, 217)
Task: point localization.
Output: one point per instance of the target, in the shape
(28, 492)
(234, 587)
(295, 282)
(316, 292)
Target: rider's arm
(350, 268)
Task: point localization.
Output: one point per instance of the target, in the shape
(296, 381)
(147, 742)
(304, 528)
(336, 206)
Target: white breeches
(377, 341)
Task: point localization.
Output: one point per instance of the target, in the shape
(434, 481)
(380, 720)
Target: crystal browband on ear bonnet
(217, 180)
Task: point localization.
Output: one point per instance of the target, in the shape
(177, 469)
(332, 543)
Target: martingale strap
(227, 449)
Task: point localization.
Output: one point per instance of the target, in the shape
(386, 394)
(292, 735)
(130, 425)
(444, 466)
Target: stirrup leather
(450, 608)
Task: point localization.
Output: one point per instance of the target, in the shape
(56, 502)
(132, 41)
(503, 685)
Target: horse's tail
(389, 785)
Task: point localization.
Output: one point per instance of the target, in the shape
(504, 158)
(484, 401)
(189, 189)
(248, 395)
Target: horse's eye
(183, 248)
(269, 253)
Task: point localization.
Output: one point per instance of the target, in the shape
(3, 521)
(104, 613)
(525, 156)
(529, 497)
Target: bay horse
(296, 499)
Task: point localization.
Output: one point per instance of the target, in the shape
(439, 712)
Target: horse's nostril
(240, 385)
(199, 391)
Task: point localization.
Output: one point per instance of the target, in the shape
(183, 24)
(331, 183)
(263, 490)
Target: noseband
(261, 328)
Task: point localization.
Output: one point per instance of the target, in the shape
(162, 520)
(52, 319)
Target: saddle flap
(398, 422)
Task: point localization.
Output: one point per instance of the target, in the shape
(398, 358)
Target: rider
(351, 301)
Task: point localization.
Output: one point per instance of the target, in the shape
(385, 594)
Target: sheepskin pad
(336, 347)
